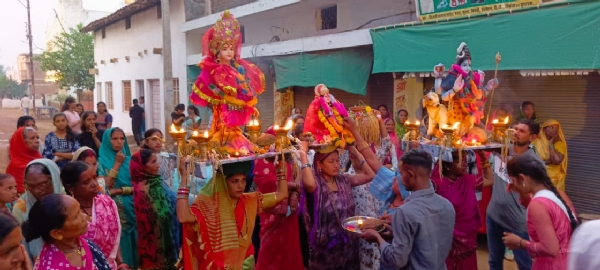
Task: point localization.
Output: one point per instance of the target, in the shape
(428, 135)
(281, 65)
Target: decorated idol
(228, 84)
(325, 119)
(463, 89)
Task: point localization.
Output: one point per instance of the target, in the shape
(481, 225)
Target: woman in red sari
(459, 188)
(551, 217)
(279, 227)
(24, 148)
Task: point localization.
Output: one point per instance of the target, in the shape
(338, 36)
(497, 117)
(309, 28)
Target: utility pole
(167, 69)
(30, 38)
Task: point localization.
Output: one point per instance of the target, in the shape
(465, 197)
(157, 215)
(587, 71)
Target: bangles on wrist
(127, 190)
(305, 166)
(113, 174)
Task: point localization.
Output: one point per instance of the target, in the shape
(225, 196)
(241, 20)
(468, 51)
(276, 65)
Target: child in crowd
(8, 192)
(60, 144)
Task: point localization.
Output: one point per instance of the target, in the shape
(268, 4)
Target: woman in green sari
(114, 160)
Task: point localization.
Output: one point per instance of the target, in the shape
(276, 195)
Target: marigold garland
(226, 99)
(332, 132)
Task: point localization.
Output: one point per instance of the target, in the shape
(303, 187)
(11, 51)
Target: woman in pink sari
(279, 228)
(550, 215)
(104, 227)
(58, 219)
(459, 188)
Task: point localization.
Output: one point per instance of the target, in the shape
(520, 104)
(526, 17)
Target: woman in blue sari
(114, 160)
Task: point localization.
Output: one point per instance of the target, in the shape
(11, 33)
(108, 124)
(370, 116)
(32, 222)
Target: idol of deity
(463, 89)
(228, 84)
(325, 119)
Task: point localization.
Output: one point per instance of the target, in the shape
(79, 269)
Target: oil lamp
(253, 128)
(179, 137)
(413, 130)
(282, 141)
(202, 140)
(449, 132)
(499, 129)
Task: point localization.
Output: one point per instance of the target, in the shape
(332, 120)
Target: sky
(13, 18)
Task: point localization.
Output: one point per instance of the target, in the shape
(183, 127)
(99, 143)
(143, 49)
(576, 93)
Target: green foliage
(71, 56)
(61, 98)
(9, 88)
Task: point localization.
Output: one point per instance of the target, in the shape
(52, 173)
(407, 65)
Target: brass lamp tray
(351, 224)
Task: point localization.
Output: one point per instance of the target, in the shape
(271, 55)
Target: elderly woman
(104, 228)
(551, 147)
(59, 221)
(24, 147)
(42, 178)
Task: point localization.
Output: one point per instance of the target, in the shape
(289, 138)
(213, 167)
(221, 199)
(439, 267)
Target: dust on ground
(8, 125)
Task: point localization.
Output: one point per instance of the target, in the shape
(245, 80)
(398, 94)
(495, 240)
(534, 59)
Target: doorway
(153, 105)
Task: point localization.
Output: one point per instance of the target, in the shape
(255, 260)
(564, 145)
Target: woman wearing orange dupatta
(218, 227)
(279, 227)
(24, 145)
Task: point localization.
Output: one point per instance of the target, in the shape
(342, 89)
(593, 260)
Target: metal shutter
(266, 103)
(575, 102)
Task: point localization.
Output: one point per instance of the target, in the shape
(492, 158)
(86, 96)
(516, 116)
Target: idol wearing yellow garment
(551, 147)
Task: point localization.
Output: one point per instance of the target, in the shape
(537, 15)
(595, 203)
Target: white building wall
(294, 26)
(144, 35)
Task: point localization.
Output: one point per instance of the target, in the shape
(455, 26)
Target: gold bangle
(112, 173)
(366, 145)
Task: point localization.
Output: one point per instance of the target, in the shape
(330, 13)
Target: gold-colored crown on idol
(226, 31)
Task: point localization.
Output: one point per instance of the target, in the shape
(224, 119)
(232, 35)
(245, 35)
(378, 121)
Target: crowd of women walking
(78, 208)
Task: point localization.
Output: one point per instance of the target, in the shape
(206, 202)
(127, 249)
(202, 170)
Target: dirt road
(8, 125)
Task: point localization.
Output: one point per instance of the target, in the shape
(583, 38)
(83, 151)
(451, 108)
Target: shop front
(550, 56)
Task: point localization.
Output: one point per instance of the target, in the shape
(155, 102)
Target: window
(158, 12)
(109, 96)
(327, 18)
(126, 95)
(127, 23)
(175, 91)
(103, 33)
(243, 34)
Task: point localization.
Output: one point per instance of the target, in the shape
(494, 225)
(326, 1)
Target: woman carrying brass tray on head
(218, 227)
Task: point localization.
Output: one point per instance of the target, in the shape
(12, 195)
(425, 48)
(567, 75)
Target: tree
(71, 56)
(9, 88)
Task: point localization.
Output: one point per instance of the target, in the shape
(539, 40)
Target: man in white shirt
(25, 104)
(585, 243)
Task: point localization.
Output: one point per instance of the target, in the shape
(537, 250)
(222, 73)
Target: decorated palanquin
(228, 84)
(325, 120)
(464, 91)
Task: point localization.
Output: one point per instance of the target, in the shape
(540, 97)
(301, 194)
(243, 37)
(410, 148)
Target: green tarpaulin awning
(347, 70)
(559, 37)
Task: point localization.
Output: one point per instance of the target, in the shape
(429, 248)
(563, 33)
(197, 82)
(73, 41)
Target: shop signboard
(284, 103)
(442, 10)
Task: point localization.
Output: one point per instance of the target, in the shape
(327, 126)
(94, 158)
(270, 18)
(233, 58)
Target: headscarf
(34, 247)
(158, 230)
(107, 160)
(317, 220)
(400, 128)
(542, 144)
(20, 156)
(217, 223)
(79, 151)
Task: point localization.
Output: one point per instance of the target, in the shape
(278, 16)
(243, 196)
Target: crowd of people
(81, 199)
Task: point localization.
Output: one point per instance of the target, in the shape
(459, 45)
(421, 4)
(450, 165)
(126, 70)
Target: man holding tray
(422, 227)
